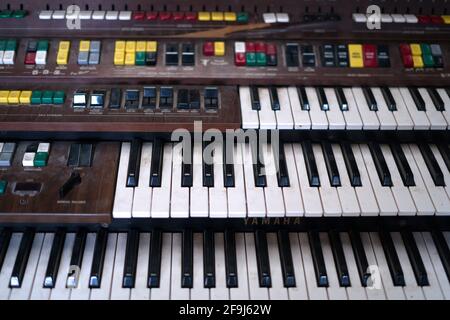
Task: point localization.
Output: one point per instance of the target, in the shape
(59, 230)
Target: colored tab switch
(25, 97)
(208, 49)
(219, 48)
(356, 55)
(86, 44)
(3, 185)
(204, 16)
(13, 97)
(416, 50)
(370, 56)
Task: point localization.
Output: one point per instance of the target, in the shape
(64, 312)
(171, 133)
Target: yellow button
(418, 61)
(62, 57)
(141, 46)
(4, 94)
(13, 97)
(204, 16)
(85, 45)
(219, 48)
(415, 49)
(217, 16)
(119, 58)
(446, 19)
(230, 16)
(130, 58)
(64, 45)
(130, 47)
(120, 46)
(25, 97)
(152, 46)
(356, 55)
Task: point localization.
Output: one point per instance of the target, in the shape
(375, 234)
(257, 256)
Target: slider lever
(74, 180)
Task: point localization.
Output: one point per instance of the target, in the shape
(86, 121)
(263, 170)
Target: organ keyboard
(224, 151)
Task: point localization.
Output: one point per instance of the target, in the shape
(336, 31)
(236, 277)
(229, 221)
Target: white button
(8, 57)
(282, 17)
(359, 17)
(410, 18)
(398, 18)
(111, 15)
(98, 15)
(125, 15)
(85, 15)
(43, 147)
(28, 159)
(58, 15)
(269, 18)
(41, 57)
(239, 47)
(45, 15)
(386, 18)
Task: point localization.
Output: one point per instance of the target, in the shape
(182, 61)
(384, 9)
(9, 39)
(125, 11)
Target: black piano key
(380, 164)
(76, 259)
(442, 249)
(259, 174)
(350, 164)
(208, 169)
(370, 99)
(262, 259)
(418, 100)
(287, 264)
(402, 165)
(318, 260)
(274, 100)
(390, 101)
(303, 97)
(393, 262)
(186, 169)
(323, 101)
(228, 165)
(55, 258)
(360, 257)
(282, 172)
(154, 263)
(209, 261)
(187, 260)
(339, 259)
(254, 94)
(330, 162)
(342, 100)
(95, 278)
(436, 98)
(131, 256)
(20, 265)
(432, 165)
(310, 163)
(157, 163)
(230, 260)
(415, 259)
(445, 153)
(5, 238)
(134, 164)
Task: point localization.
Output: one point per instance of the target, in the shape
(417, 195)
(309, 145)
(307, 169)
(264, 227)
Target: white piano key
(335, 291)
(301, 117)
(255, 195)
(163, 292)
(60, 292)
(438, 195)
(401, 115)
(310, 195)
(365, 193)
(369, 118)
(220, 292)
(123, 200)
(256, 292)
(242, 291)
(277, 291)
(179, 203)
(82, 291)
(328, 194)
(392, 292)
(386, 117)
(143, 192)
(292, 195)
(272, 194)
(335, 117)
(161, 205)
(386, 201)
(314, 292)
(199, 193)
(24, 292)
(117, 292)
(352, 117)
(236, 196)
(218, 194)
(419, 192)
(176, 291)
(443, 167)
(437, 120)
(267, 118)
(347, 194)
(446, 99)
(38, 292)
(8, 265)
(402, 196)
(250, 118)
(318, 117)
(198, 291)
(140, 290)
(419, 118)
(104, 292)
(299, 292)
(284, 115)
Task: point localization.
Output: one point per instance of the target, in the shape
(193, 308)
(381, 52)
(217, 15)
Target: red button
(191, 16)
(405, 49)
(152, 15)
(370, 56)
(177, 16)
(30, 58)
(164, 16)
(249, 47)
(208, 49)
(424, 19)
(271, 49)
(260, 47)
(239, 59)
(437, 20)
(408, 61)
(138, 15)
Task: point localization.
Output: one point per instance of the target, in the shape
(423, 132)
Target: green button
(40, 159)
(42, 45)
(250, 57)
(11, 45)
(3, 185)
(59, 97)
(5, 14)
(428, 61)
(261, 59)
(19, 14)
(242, 17)
(426, 49)
(47, 97)
(140, 58)
(36, 97)
(2, 45)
